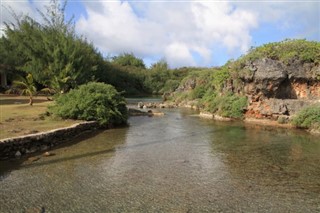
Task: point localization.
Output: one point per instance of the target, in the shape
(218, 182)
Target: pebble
(48, 154)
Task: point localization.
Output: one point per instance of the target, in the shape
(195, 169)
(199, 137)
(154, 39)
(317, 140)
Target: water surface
(174, 163)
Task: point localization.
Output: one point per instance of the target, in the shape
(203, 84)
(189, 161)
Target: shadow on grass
(21, 100)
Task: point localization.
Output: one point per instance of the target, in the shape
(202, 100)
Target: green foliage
(198, 92)
(93, 101)
(285, 51)
(228, 105)
(220, 76)
(25, 86)
(160, 79)
(128, 59)
(51, 51)
(308, 117)
(127, 79)
(170, 85)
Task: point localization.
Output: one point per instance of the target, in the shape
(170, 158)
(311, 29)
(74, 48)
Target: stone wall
(15, 147)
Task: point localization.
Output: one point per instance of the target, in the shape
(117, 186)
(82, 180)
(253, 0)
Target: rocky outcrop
(19, 146)
(154, 105)
(275, 88)
(136, 112)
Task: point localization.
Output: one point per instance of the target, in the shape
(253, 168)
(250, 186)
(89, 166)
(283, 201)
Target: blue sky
(185, 33)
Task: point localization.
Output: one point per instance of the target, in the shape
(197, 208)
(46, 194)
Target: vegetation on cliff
(225, 90)
(208, 88)
(285, 51)
(308, 117)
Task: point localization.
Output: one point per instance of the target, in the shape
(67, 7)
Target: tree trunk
(30, 100)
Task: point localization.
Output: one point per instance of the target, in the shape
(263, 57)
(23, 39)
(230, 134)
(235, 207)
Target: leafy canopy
(51, 51)
(128, 59)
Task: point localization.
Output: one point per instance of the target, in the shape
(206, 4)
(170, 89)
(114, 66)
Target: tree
(51, 51)
(128, 59)
(25, 86)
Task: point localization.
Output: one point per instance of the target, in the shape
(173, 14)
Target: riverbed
(174, 163)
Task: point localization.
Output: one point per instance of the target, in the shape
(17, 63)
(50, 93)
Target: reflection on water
(175, 163)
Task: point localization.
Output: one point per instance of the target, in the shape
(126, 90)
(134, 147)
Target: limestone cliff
(275, 88)
(277, 80)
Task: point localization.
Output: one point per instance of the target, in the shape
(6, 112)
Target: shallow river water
(175, 163)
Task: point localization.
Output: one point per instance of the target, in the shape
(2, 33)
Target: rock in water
(33, 159)
(48, 154)
(18, 154)
(140, 105)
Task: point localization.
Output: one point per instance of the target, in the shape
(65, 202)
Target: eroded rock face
(190, 84)
(275, 88)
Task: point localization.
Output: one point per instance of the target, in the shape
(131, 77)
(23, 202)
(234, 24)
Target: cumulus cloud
(20, 8)
(185, 33)
(301, 18)
(173, 30)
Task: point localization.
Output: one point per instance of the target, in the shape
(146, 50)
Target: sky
(183, 32)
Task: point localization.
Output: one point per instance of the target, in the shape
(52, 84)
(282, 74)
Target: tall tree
(51, 51)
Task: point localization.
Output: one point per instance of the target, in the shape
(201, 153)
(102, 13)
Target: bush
(228, 105)
(282, 119)
(93, 101)
(308, 117)
(198, 92)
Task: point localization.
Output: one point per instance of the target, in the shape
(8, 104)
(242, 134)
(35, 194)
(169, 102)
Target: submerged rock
(136, 112)
(18, 154)
(33, 159)
(48, 154)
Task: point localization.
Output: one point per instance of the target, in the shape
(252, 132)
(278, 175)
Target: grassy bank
(18, 118)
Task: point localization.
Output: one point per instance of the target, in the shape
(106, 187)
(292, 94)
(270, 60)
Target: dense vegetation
(285, 51)
(308, 118)
(60, 60)
(207, 89)
(92, 101)
(50, 50)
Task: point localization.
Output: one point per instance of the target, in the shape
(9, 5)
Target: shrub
(308, 117)
(282, 120)
(228, 105)
(220, 77)
(232, 106)
(198, 92)
(93, 101)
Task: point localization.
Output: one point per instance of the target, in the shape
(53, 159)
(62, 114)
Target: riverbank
(207, 115)
(23, 145)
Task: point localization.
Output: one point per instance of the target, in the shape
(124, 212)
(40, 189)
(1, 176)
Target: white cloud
(173, 30)
(178, 54)
(20, 8)
(185, 33)
(301, 17)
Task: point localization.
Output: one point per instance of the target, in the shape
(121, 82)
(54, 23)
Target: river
(175, 163)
